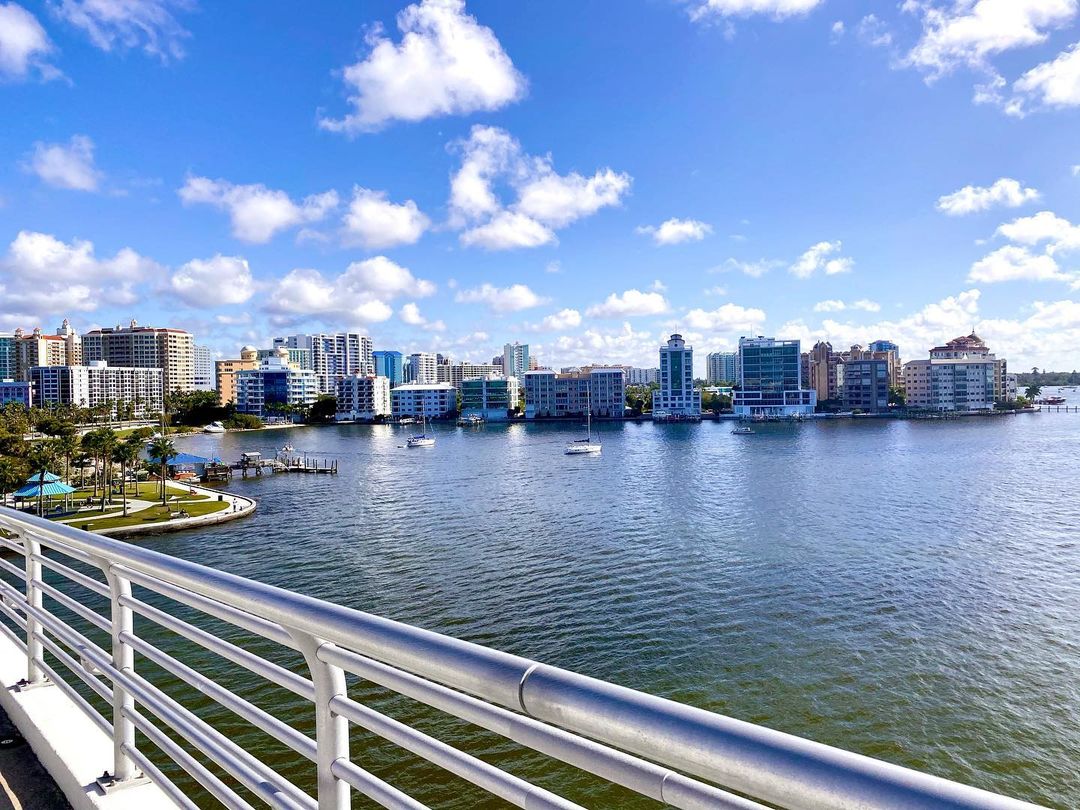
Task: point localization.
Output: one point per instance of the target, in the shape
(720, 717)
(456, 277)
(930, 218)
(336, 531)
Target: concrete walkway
(24, 783)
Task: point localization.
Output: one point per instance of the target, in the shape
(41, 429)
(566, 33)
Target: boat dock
(254, 464)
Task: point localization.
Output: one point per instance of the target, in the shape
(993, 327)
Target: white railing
(670, 752)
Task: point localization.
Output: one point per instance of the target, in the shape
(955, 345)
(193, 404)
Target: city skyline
(544, 201)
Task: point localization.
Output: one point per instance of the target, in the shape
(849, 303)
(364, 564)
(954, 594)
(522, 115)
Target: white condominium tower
(134, 346)
(333, 356)
(677, 395)
(515, 359)
(423, 368)
(721, 367)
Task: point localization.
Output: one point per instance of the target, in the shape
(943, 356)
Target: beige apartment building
(134, 346)
(225, 372)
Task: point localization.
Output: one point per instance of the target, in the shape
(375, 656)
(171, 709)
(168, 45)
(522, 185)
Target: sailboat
(587, 445)
(421, 439)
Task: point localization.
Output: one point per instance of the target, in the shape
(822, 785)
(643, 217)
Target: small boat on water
(470, 421)
(288, 448)
(585, 446)
(1055, 400)
(745, 430)
(406, 420)
(421, 439)
(214, 427)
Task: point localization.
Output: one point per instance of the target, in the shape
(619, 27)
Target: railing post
(123, 657)
(35, 676)
(331, 729)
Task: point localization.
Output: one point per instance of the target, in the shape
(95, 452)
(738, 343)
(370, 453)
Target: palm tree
(161, 450)
(1032, 392)
(42, 456)
(126, 453)
(68, 444)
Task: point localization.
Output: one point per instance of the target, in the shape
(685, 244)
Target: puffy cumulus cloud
(557, 322)
(754, 269)
(1006, 192)
(1052, 85)
(43, 275)
(24, 45)
(673, 231)
(1017, 263)
(360, 295)
(629, 304)
(446, 64)
(410, 314)
(257, 212)
(778, 9)
(1045, 227)
(727, 318)
(1037, 244)
(625, 346)
(148, 25)
(215, 281)
(544, 200)
(836, 305)
(376, 223)
(967, 33)
(68, 165)
(823, 257)
(514, 298)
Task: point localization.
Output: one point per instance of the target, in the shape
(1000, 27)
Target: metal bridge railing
(673, 753)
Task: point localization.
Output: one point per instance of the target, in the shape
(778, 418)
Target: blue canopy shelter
(186, 462)
(34, 490)
(49, 478)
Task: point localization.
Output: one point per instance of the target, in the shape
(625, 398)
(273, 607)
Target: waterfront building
(275, 387)
(721, 367)
(515, 361)
(423, 368)
(891, 353)
(821, 375)
(295, 358)
(864, 385)
(205, 374)
(548, 394)
(332, 356)
(37, 349)
(9, 356)
(73, 352)
(363, 396)
(457, 373)
(134, 346)
(1011, 388)
(391, 365)
(225, 373)
(492, 397)
(677, 397)
(17, 391)
(433, 400)
(770, 384)
(642, 376)
(99, 384)
(962, 375)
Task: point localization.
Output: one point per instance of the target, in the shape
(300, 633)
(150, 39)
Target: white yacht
(587, 445)
(214, 427)
(422, 439)
(745, 430)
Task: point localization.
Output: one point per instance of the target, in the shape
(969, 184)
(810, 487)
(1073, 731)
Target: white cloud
(1058, 233)
(1005, 192)
(628, 304)
(625, 346)
(754, 269)
(1016, 263)
(66, 166)
(727, 318)
(558, 321)
(376, 223)
(545, 200)
(146, 24)
(836, 305)
(1054, 84)
(514, 298)
(257, 212)
(446, 64)
(717, 291)
(215, 281)
(410, 314)
(778, 9)
(673, 231)
(360, 295)
(866, 305)
(838, 29)
(24, 45)
(554, 266)
(832, 305)
(873, 32)
(822, 257)
(969, 32)
(43, 275)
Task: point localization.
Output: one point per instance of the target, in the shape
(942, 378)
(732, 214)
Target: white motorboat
(214, 427)
(586, 446)
(422, 439)
(745, 430)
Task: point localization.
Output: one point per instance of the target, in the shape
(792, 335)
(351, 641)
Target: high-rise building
(821, 376)
(642, 376)
(423, 368)
(363, 397)
(721, 367)
(515, 359)
(225, 373)
(295, 358)
(98, 384)
(572, 393)
(770, 384)
(962, 375)
(134, 346)
(457, 373)
(205, 378)
(37, 349)
(491, 397)
(275, 387)
(73, 353)
(391, 365)
(431, 400)
(677, 397)
(333, 356)
(9, 357)
(864, 384)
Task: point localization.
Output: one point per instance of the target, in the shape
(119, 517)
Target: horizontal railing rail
(670, 752)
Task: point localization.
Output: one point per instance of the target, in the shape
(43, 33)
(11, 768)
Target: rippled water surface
(908, 590)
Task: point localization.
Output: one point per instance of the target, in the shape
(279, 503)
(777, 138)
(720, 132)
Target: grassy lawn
(153, 514)
(146, 490)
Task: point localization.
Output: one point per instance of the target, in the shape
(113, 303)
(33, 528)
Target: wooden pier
(254, 464)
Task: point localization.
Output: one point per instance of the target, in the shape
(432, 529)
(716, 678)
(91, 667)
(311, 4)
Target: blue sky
(584, 176)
